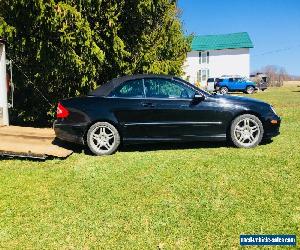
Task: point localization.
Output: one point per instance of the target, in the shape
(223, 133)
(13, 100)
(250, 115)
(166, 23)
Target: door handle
(184, 106)
(148, 104)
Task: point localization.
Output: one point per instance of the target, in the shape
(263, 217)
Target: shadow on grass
(179, 145)
(76, 148)
(143, 147)
(171, 146)
(154, 146)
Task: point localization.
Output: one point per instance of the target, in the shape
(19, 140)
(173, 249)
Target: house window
(204, 75)
(199, 76)
(203, 57)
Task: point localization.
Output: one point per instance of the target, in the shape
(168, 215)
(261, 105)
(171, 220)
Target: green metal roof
(225, 41)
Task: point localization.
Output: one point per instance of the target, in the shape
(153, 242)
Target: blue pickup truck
(237, 84)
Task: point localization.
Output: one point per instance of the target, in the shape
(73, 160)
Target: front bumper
(70, 132)
(272, 127)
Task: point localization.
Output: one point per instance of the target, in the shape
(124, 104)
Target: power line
(276, 51)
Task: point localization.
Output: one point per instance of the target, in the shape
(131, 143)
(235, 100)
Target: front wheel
(250, 90)
(246, 131)
(103, 138)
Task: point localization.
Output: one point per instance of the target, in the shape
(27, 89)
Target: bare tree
(276, 75)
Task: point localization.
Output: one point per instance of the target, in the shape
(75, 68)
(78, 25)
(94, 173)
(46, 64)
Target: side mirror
(198, 98)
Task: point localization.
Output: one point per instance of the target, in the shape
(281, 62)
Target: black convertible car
(147, 108)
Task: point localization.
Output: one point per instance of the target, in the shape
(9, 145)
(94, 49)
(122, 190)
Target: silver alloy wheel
(247, 132)
(102, 139)
(224, 90)
(250, 90)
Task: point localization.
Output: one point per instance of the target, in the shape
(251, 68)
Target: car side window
(167, 89)
(129, 89)
(230, 80)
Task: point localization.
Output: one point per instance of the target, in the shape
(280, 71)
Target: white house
(217, 55)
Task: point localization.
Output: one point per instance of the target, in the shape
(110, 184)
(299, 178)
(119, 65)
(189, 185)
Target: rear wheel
(246, 131)
(250, 90)
(103, 138)
(224, 90)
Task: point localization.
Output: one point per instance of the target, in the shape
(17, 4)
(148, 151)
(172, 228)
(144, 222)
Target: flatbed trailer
(30, 143)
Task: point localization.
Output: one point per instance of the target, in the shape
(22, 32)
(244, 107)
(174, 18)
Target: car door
(239, 84)
(172, 113)
(129, 109)
(232, 85)
(243, 84)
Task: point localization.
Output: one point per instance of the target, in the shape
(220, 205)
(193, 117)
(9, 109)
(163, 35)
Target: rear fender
(110, 118)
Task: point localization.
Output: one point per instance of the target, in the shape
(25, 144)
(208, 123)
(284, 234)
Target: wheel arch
(224, 86)
(114, 123)
(245, 112)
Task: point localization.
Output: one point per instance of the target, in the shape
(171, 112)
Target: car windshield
(238, 79)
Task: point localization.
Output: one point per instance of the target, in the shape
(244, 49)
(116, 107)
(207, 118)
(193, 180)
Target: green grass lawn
(183, 198)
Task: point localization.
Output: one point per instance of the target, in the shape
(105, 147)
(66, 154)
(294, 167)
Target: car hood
(239, 99)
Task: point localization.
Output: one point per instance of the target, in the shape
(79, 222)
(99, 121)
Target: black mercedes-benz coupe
(147, 108)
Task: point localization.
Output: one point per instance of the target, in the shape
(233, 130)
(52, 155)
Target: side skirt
(221, 137)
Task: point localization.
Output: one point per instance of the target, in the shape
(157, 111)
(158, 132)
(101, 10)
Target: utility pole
(4, 119)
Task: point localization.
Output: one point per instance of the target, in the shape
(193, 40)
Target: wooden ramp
(30, 142)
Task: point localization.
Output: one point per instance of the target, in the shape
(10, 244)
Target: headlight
(272, 108)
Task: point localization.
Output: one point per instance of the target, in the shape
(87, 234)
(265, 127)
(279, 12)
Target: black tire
(223, 90)
(250, 90)
(239, 135)
(106, 142)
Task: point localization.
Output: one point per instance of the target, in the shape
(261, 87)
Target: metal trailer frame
(4, 118)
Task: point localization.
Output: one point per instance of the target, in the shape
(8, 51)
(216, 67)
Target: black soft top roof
(106, 88)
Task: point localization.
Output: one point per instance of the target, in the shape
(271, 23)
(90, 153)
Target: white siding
(221, 62)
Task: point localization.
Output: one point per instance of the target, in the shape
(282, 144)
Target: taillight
(62, 112)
